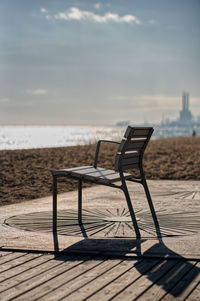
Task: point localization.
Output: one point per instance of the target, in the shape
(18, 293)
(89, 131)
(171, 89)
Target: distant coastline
(31, 137)
(185, 125)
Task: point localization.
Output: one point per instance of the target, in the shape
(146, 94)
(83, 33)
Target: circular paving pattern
(109, 223)
(193, 193)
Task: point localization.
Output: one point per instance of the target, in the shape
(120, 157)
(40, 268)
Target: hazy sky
(97, 62)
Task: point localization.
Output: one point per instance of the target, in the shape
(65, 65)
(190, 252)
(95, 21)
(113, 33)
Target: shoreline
(26, 174)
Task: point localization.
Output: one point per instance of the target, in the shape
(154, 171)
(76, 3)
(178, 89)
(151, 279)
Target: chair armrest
(98, 149)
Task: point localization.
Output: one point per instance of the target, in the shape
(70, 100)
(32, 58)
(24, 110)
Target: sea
(29, 137)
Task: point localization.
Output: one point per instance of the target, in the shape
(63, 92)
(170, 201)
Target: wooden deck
(103, 260)
(28, 276)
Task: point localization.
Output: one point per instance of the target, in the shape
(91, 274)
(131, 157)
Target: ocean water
(27, 137)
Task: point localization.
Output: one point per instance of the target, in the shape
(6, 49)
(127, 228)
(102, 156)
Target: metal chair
(129, 156)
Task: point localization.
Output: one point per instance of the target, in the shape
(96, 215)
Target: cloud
(4, 100)
(97, 5)
(75, 13)
(36, 92)
(43, 10)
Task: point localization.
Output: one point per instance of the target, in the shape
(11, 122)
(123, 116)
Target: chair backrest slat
(136, 132)
(130, 161)
(132, 147)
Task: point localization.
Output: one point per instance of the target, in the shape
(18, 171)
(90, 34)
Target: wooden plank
(194, 296)
(74, 274)
(100, 281)
(139, 139)
(141, 132)
(101, 173)
(24, 280)
(92, 174)
(75, 168)
(129, 166)
(87, 170)
(188, 286)
(10, 257)
(73, 288)
(164, 282)
(134, 145)
(137, 288)
(118, 284)
(125, 278)
(97, 175)
(100, 176)
(137, 131)
(86, 177)
(125, 159)
(111, 174)
(127, 155)
(16, 262)
(4, 253)
(129, 160)
(19, 269)
(112, 177)
(79, 167)
(131, 145)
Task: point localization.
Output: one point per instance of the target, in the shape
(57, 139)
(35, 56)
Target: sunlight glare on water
(27, 137)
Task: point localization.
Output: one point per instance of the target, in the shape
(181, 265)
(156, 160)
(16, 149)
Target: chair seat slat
(103, 173)
(90, 170)
(91, 173)
(77, 168)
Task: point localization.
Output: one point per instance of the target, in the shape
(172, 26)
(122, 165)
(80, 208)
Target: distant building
(186, 117)
(123, 123)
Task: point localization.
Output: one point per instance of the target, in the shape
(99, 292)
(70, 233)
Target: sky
(91, 62)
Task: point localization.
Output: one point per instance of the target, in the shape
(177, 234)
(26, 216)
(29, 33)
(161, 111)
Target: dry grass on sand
(26, 174)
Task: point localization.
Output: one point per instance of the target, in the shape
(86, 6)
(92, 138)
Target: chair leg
(130, 207)
(151, 206)
(80, 201)
(54, 204)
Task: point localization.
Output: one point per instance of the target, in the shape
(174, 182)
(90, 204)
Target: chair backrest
(132, 147)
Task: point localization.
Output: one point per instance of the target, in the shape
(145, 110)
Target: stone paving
(102, 258)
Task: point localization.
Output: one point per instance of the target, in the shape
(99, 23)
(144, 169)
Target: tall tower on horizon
(185, 114)
(185, 101)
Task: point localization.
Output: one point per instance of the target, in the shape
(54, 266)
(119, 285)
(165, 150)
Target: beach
(26, 174)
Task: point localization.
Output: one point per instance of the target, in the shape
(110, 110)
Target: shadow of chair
(163, 267)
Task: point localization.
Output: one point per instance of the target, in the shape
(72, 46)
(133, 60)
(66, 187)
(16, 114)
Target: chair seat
(90, 173)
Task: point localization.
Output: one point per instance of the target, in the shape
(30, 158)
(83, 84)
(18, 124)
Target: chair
(129, 156)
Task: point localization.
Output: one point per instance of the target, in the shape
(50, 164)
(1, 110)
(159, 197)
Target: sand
(26, 174)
